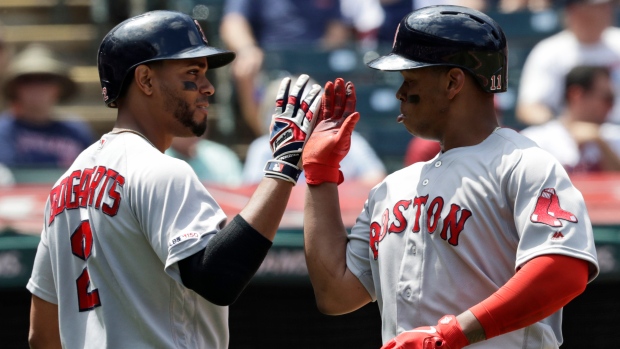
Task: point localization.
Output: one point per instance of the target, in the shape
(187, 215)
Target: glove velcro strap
(282, 170)
(320, 173)
(451, 332)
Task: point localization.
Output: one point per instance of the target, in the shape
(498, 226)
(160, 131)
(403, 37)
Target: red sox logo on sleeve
(548, 210)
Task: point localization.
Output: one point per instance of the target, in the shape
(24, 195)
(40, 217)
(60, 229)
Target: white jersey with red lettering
(116, 224)
(438, 237)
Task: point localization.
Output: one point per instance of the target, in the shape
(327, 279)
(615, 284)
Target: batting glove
(446, 335)
(291, 127)
(331, 140)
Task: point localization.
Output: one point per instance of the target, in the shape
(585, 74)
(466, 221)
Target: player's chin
(198, 129)
(416, 128)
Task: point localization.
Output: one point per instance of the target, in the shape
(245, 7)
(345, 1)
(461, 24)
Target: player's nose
(206, 87)
(400, 94)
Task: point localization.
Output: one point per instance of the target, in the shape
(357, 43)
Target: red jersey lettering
(80, 188)
(455, 225)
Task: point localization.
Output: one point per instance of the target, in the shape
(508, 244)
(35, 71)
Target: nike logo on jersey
(449, 222)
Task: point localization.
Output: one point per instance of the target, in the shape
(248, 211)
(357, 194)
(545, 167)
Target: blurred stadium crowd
(52, 106)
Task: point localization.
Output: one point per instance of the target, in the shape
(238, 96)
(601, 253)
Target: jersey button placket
(426, 180)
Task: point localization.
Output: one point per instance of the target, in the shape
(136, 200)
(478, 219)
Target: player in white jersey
(135, 253)
(481, 246)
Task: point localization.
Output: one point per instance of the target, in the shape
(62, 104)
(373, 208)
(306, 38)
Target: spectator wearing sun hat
(31, 133)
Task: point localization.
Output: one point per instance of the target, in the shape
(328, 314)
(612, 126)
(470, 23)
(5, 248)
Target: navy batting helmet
(450, 36)
(152, 36)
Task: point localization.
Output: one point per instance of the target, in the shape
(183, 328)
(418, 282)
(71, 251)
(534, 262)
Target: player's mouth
(400, 118)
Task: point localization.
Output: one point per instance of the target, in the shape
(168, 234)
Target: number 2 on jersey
(82, 246)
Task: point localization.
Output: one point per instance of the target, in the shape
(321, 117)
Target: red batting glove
(331, 140)
(446, 335)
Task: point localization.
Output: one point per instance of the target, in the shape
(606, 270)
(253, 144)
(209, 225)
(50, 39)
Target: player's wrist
(321, 173)
(279, 169)
(452, 333)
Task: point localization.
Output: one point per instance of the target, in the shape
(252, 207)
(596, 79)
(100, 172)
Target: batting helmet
(152, 36)
(450, 36)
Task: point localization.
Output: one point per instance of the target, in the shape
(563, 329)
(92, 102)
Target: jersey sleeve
(41, 282)
(358, 251)
(549, 212)
(175, 211)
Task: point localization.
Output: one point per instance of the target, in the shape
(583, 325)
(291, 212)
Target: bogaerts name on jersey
(97, 186)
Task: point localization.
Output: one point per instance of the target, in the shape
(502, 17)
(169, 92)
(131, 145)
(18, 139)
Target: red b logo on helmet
(202, 33)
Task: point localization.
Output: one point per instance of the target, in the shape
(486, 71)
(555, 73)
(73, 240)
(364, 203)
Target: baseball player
(135, 252)
(481, 246)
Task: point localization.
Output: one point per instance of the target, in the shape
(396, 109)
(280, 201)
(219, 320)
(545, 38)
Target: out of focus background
(563, 88)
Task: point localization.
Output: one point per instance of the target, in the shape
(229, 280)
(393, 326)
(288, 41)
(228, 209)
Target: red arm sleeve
(540, 288)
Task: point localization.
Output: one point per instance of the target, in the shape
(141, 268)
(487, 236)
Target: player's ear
(143, 77)
(455, 80)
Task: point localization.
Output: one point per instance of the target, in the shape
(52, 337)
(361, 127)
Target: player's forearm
(543, 286)
(44, 331)
(266, 207)
(325, 242)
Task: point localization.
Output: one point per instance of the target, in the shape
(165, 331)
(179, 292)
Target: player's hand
(331, 140)
(291, 126)
(446, 335)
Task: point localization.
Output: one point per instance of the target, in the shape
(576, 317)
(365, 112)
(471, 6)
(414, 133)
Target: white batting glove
(291, 126)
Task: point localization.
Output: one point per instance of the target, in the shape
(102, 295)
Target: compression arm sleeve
(540, 288)
(224, 268)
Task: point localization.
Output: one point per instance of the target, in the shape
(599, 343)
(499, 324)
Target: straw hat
(34, 62)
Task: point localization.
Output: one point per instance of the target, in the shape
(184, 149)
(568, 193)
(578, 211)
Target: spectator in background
(589, 38)
(580, 138)
(360, 164)
(249, 27)
(420, 149)
(5, 51)
(30, 133)
(375, 21)
(523, 5)
(212, 162)
(6, 176)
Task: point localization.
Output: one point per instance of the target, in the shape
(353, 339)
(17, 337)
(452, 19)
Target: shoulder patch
(548, 210)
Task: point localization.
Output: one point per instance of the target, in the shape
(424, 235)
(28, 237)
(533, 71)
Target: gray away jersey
(116, 224)
(436, 238)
